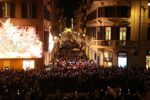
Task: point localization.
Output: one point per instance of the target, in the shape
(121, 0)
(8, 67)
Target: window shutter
(117, 32)
(148, 33)
(128, 33)
(113, 33)
(102, 33)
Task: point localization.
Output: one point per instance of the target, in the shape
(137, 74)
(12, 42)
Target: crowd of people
(72, 77)
(97, 81)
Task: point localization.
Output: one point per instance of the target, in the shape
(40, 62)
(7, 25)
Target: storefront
(122, 59)
(28, 64)
(21, 47)
(19, 64)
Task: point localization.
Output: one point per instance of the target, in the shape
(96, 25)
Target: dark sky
(69, 6)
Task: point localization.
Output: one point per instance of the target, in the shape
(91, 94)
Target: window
(101, 12)
(28, 10)
(92, 15)
(109, 11)
(148, 34)
(108, 33)
(123, 32)
(7, 9)
(114, 11)
(123, 11)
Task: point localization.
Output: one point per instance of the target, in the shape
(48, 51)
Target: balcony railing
(105, 43)
(114, 43)
(126, 43)
(102, 43)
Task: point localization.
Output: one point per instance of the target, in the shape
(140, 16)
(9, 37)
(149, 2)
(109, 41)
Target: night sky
(69, 6)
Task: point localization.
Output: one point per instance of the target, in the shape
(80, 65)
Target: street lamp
(148, 2)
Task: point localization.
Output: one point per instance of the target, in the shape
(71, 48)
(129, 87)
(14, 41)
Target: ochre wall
(1, 64)
(17, 64)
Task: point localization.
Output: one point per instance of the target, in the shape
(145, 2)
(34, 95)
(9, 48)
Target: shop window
(107, 58)
(28, 64)
(122, 59)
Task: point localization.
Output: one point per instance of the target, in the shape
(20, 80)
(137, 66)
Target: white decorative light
(51, 42)
(67, 30)
(18, 42)
(55, 37)
(148, 3)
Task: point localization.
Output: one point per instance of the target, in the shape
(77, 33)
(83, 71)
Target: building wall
(136, 46)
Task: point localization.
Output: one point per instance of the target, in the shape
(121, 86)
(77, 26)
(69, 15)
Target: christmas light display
(16, 42)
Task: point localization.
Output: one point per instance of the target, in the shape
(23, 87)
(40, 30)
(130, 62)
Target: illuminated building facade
(118, 32)
(31, 19)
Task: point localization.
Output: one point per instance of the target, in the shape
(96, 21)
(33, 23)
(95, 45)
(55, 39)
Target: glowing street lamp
(84, 35)
(148, 2)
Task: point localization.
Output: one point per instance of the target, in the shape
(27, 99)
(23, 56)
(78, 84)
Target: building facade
(118, 33)
(29, 13)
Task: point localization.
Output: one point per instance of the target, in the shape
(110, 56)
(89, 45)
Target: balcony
(114, 43)
(126, 43)
(106, 43)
